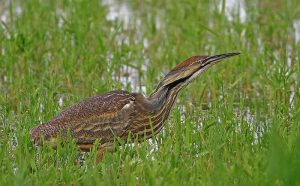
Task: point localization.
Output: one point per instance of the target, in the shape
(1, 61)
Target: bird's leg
(88, 148)
(102, 150)
(100, 154)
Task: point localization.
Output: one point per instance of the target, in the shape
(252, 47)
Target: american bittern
(118, 114)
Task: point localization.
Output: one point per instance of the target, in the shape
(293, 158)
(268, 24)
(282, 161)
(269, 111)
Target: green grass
(239, 125)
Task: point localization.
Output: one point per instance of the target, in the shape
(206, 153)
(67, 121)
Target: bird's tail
(43, 132)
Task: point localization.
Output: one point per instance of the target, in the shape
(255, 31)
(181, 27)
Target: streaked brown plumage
(119, 113)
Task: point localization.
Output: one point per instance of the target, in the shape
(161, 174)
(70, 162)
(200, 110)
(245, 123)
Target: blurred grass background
(238, 124)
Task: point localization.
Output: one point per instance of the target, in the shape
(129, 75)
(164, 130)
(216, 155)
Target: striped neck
(164, 97)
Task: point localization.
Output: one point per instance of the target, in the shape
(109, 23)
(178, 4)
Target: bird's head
(191, 68)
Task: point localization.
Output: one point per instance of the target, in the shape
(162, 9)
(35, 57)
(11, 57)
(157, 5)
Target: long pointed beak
(192, 67)
(219, 57)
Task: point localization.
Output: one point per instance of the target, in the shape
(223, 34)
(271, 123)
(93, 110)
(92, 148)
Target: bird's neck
(158, 98)
(164, 97)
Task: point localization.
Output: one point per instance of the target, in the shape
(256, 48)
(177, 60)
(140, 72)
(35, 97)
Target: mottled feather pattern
(90, 119)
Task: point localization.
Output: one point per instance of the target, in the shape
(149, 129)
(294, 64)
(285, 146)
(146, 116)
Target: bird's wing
(100, 117)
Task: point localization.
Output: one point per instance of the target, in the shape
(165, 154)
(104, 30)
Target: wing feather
(99, 117)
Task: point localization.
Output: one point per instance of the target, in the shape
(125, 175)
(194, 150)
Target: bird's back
(94, 118)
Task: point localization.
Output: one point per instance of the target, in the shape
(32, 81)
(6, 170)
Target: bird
(121, 115)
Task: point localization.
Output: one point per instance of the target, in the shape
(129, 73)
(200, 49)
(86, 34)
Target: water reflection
(296, 25)
(234, 8)
(117, 11)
